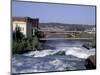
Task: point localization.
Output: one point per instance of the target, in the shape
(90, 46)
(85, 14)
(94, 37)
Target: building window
(17, 28)
(22, 28)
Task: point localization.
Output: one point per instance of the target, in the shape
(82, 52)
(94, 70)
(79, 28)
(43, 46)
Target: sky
(55, 13)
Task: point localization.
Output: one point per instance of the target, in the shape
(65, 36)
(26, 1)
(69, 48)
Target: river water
(58, 55)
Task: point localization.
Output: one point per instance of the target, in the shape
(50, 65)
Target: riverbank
(22, 44)
(26, 45)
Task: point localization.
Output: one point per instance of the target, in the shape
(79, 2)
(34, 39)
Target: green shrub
(25, 45)
(22, 45)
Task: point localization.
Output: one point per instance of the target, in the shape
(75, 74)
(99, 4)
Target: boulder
(61, 53)
(90, 62)
(86, 45)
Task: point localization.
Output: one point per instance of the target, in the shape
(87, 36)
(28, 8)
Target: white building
(26, 25)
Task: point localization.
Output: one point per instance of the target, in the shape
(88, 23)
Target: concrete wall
(29, 30)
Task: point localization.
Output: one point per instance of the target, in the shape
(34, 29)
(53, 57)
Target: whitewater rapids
(73, 58)
(77, 52)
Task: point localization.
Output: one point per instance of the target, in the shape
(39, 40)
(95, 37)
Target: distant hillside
(61, 25)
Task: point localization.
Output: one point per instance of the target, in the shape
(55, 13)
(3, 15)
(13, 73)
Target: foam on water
(79, 52)
(50, 60)
(26, 64)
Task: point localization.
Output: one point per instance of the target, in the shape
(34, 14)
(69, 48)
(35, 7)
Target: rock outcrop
(91, 62)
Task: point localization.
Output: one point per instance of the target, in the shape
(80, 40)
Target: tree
(18, 35)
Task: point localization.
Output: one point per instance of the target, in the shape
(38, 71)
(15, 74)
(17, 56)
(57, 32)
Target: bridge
(60, 31)
(72, 34)
(86, 39)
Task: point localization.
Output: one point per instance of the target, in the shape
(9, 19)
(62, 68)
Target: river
(58, 55)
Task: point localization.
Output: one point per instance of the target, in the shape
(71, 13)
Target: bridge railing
(66, 39)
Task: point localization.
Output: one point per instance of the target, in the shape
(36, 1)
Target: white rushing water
(79, 52)
(72, 58)
(59, 55)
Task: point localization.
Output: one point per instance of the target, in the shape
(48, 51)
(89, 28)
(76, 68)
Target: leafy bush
(25, 45)
(22, 44)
